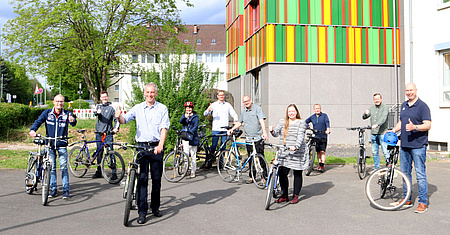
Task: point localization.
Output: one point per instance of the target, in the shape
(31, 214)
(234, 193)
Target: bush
(15, 115)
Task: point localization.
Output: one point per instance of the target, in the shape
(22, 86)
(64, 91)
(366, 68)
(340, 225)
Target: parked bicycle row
(296, 151)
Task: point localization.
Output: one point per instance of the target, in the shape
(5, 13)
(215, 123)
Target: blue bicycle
(273, 188)
(112, 165)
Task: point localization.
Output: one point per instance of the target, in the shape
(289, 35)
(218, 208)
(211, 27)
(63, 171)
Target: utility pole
(79, 99)
(1, 57)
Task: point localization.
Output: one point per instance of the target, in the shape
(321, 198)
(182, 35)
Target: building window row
(211, 58)
(147, 58)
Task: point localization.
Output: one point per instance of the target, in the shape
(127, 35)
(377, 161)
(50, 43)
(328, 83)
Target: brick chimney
(196, 28)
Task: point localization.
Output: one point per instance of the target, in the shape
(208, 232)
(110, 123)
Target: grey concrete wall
(343, 91)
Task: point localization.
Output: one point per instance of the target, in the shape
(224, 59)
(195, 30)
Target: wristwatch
(417, 128)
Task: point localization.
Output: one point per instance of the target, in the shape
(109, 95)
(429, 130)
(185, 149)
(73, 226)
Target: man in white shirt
(220, 110)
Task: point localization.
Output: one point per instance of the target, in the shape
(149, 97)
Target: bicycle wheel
(227, 166)
(129, 196)
(30, 176)
(384, 190)
(113, 167)
(270, 187)
(201, 152)
(176, 165)
(46, 183)
(312, 157)
(361, 161)
(259, 171)
(77, 162)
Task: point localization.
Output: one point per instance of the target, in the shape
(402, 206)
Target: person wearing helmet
(414, 124)
(190, 121)
(379, 121)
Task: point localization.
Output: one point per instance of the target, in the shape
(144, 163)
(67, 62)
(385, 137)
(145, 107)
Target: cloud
(203, 12)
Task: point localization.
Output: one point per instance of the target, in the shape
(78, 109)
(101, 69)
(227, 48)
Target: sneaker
(294, 199)
(66, 195)
(421, 208)
(53, 193)
(113, 176)
(320, 169)
(141, 219)
(97, 175)
(408, 204)
(192, 174)
(249, 181)
(283, 198)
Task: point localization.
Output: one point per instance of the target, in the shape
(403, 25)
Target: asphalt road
(330, 203)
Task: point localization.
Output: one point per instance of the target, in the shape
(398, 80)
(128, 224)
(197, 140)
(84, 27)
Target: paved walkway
(331, 203)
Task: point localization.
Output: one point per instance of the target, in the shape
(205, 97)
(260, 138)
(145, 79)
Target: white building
(427, 62)
(210, 44)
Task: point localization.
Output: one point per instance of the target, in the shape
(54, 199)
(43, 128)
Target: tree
(87, 36)
(16, 82)
(179, 81)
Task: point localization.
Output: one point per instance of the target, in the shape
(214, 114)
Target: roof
(206, 33)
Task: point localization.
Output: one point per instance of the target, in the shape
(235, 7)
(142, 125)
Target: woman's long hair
(286, 121)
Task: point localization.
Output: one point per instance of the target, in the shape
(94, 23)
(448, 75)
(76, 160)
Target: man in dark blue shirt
(320, 122)
(415, 122)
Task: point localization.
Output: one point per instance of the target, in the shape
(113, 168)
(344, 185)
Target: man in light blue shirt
(152, 123)
(220, 110)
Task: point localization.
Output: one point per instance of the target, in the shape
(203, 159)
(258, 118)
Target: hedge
(14, 115)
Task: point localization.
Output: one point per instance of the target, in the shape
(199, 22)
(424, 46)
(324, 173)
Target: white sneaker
(192, 174)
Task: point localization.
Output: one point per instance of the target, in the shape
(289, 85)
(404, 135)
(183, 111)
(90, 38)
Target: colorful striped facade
(310, 31)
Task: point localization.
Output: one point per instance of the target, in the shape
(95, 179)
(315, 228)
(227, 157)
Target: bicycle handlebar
(359, 128)
(278, 146)
(53, 138)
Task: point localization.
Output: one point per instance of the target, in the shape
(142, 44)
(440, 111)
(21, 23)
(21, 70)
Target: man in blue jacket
(320, 122)
(57, 122)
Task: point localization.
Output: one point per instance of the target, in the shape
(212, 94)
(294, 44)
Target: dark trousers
(259, 145)
(156, 168)
(108, 138)
(284, 182)
(214, 141)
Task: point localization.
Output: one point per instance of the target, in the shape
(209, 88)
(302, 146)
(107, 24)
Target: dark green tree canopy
(87, 37)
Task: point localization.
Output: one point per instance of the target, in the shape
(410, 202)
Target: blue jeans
(419, 156)
(62, 153)
(216, 139)
(377, 140)
(108, 138)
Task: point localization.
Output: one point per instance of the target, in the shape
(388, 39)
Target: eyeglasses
(59, 101)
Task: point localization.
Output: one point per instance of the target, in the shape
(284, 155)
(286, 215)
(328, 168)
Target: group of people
(152, 122)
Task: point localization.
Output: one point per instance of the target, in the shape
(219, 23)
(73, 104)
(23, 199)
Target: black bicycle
(204, 148)
(176, 163)
(384, 187)
(312, 140)
(361, 159)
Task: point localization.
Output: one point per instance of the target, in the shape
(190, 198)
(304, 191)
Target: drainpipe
(395, 60)
(410, 43)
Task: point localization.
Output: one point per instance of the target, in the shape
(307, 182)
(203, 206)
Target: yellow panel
(358, 45)
(290, 43)
(322, 49)
(351, 45)
(270, 43)
(354, 12)
(385, 13)
(327, 12)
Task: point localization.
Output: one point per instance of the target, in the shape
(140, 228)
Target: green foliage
(16, 82)
(83, 40)
(74, 105)
(179, 82)
(16, 115)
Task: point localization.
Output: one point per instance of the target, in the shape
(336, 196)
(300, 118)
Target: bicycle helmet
(390, 138)
(189, 104)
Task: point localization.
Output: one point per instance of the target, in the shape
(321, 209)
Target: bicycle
(133, 171)
(39, 167)
(230, 168)
(361, 158)
(204, 148)
(176, 163)
(312, 140)
(384, 187)
(80, 161)
(272, 185)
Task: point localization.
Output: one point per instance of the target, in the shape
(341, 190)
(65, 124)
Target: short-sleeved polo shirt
(250, 118)
(418, 112)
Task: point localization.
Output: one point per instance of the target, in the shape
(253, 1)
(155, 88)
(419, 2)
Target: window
(213, 41)
(116, 100)
(222, 58)
(134, 77)
(208, 58)
(134, 58)
(116, 87)
(446, 79)
(199, 41)
(199, 57)
(186, 41)
(116, 74)
(215, 58)
(150, 58)
(221, 77)
(143, 58)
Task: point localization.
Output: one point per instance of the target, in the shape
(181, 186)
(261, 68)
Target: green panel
(382, 46)
(241, 60)
(312, 44)
(341, 45)
(281, 13)
(366, 12)
(298, 43)
(347, 13)
(331, 58)
(303, 43)
(376, 13)
(292, 9)
(375, 46)
(279, 41)
(364, 45)
(336, 16)
(316, 12)
(389, 59)
(391, 14)
(304, 11)
(271, 11)
(360, 10)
